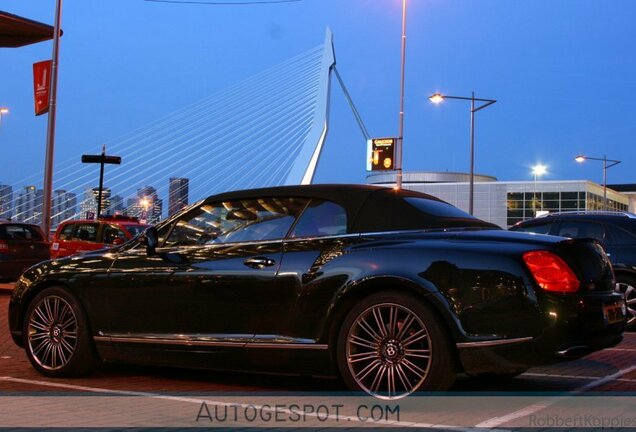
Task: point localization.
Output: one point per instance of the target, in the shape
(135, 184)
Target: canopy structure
(16, 31)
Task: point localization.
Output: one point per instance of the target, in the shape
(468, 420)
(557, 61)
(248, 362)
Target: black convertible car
(395, 291)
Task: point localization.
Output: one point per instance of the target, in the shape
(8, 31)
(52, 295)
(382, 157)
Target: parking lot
(611, 371)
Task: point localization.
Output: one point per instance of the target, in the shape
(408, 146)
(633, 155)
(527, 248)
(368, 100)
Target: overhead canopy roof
(16, 31)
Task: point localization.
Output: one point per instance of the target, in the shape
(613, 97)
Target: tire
(57, 338)
(626, 285)
(408, 352)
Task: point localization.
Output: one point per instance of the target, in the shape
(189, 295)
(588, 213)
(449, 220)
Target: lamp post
(605, 160)
(3, 111)
(398, 156)
(50, 131)
(537, 170)
(438, 98)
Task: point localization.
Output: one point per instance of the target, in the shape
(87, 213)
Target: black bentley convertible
(395, 291)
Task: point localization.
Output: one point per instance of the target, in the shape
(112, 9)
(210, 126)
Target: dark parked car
(616, 231)
(396, 291)
(21, 246)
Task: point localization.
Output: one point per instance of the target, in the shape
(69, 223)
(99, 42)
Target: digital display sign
(380, 154)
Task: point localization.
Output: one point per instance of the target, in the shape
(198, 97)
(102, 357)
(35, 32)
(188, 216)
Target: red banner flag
(41, 86)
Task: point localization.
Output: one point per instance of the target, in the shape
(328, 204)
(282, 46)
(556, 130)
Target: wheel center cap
(391, 350)
(56, 332)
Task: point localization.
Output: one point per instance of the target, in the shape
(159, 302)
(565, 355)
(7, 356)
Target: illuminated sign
(380, 154)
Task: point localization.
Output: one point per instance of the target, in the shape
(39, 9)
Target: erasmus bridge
(267, 130)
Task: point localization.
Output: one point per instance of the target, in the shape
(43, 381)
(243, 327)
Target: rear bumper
(574, 327)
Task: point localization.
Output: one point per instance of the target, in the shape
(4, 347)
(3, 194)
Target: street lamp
(3, 110)
(605, 160)
(145, 203)
(438, 98)
(538, 170)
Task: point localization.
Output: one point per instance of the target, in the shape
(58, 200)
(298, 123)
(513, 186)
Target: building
(89, 203)
(63, 206)
(117, 205)
(629, 190)
(146, 205)
(6, 201)
(28, 205)
(506, 203)
(178, 194)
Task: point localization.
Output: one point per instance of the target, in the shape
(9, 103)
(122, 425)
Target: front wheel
(56, 335)
(391, 345)
(626, 285)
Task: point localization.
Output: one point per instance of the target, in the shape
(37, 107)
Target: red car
(77, 236)
(21, 246)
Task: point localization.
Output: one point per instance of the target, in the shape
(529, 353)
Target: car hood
(68, 267)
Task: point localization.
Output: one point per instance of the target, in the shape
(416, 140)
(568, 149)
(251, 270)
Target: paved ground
(608, 371)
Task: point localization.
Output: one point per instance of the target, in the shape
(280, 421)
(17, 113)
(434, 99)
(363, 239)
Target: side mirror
(150, 238)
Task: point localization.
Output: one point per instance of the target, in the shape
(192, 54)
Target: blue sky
(563, 72)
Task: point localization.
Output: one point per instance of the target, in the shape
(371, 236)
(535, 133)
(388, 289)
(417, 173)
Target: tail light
(551, 272)
(4, 247)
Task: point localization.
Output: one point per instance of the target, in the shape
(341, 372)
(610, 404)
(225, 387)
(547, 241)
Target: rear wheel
(391, 345)
(56, 335)
(626, 285)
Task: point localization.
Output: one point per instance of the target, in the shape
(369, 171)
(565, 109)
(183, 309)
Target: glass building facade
(505, 203)
(525, 205)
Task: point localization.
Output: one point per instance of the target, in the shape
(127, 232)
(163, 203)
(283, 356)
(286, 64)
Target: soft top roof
(369, 208)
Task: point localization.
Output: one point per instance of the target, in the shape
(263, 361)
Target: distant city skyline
(24, 203)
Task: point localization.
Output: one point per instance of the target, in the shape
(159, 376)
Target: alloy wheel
(52, 333)
(388, 351)
(629, 291)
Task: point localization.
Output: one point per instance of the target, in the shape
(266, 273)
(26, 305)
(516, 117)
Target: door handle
(259, 262)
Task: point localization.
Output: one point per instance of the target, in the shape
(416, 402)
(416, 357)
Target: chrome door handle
(259, 262)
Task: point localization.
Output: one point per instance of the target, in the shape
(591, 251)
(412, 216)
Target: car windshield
(135, 230)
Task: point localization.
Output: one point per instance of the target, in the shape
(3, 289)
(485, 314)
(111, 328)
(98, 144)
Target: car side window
(86, 232)
(67, 232)
(236, 221)
(321, 218)
(620, 236)
(112, 234)
(580, 229)
(537, 228)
